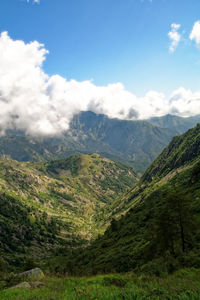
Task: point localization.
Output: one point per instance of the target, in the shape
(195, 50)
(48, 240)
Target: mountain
(179, 124)
(182, 150)
(159, 231)
(18, 146)
(44, 206)
(61, 206)
(135, 143)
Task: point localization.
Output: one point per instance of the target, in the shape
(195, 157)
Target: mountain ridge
(135, 143)
(159, 231)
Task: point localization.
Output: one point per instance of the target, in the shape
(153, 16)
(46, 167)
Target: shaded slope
(160, 232)
(135, 143)
(179, 124)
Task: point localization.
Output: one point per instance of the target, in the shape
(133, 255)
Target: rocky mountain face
(136, 143)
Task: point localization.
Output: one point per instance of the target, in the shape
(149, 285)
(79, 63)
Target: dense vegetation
(182, 285)
(44, 206)
(160, 233)
(51, 212)
(182, 150)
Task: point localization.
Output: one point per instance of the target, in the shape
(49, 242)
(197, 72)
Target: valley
(87, 214)
(159, 233)
(99, 150)
(63, 202)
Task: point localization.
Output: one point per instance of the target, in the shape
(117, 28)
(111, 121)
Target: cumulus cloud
(39, 104)
(174, 37)
(184, 103)
(195, 33)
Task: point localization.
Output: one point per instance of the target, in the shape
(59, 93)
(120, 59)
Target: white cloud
(174, 37)
(195, 33)
(185, 103)
(39, 104)
(34, 1)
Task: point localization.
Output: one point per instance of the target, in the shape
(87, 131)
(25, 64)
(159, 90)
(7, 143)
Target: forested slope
(160, 232)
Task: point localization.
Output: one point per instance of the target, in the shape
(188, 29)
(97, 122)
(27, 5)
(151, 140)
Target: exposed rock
(34, 274)
(22, 285)
(28, 285)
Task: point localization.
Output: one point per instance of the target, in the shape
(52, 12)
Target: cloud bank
(39, 104)
(174, 37)
(195, 33)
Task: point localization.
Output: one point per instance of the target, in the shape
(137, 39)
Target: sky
(130, 59)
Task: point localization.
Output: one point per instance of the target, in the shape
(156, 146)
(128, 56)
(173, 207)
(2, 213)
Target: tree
(175, 223)
(172, 225)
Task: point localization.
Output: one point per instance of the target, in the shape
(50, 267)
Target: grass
(67, 189)
(183, 285)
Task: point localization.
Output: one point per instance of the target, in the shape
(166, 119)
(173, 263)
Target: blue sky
(127, 59)
(111, 40)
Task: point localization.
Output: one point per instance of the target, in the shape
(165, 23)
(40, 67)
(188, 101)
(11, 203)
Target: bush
(155, 267)
(4, 266)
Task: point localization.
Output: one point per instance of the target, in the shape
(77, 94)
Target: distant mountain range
(136, 143)
(179, 124)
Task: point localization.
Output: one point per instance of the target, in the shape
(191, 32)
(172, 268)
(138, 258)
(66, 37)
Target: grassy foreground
(184, 284)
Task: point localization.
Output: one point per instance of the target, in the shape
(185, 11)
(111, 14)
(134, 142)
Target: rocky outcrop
(22, 285)
(28, 285)
(35, 274)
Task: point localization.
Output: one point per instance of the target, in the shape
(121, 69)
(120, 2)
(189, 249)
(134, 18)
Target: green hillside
(56, 215)
(49, 205)
(181, 151)
(160, 232)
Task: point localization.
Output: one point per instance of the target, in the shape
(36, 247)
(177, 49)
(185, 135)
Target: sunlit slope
(47, 205)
